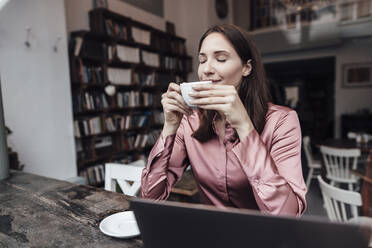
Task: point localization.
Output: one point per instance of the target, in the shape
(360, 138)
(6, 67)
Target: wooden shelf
(83, 163)
(89, 60)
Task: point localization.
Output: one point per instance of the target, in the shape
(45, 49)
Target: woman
(244, 151)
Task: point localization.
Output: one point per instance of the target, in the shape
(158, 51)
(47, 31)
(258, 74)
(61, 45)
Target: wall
(347, 100)
(241, 10)
(36, 88)
(35, 81)
(191, 19)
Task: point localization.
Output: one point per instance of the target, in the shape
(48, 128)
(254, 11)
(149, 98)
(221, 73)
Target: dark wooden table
(43, 212)
(186, 190)
(366, 189)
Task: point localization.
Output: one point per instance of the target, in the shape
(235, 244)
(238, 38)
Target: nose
(208, 68)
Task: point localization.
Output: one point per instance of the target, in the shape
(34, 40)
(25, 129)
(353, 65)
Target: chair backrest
(338, 162)
(308, 151)
(127, 176)
(340, 204)
(351, 135)
(359, 136)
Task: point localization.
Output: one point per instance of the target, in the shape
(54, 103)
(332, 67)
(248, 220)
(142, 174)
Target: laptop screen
(170, 224)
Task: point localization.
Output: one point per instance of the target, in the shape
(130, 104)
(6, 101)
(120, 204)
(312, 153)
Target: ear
(247, 68)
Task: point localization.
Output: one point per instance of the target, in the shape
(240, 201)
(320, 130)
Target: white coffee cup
(186, 88)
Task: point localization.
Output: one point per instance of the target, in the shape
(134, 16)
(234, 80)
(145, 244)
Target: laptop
(170, 224)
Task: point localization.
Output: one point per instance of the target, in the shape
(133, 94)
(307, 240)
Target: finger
(174, 102)
(211, 93)
(172, 107)
(200, 87)
(178, 97)
(212, 100)
(174, 87)
(217, 107)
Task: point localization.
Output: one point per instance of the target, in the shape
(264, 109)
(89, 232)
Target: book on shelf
(125, 53)
(139, 120)
(158, 117)
(149, 79)
(144, 79)
(140, 141)
(151, 59)
(78, 44)
(94, 174)
(88, 101)
(119, 76)
(153, 136)
(137, 141)
(144, 141)
(89, 126)
(103, 142)
(125, 122)
(141, 36)
(98, 102)
(169, 62)
(77, 132)
(147, 99)
(90, 74)
(128, 99)
(116, 29)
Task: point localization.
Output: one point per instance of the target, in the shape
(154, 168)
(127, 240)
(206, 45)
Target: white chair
(314, 165)
(127, 176)
(340, 204)
(351, 135)
(343, 205)
(338, 163)
(359, 136)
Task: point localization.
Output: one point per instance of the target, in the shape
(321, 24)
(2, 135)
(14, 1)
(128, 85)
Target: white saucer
(120, 225)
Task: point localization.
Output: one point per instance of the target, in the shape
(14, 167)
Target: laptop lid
(182, 225)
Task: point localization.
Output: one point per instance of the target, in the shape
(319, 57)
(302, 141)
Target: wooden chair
(340, 204)
(127, 176)
(338, 163)
(314, 165)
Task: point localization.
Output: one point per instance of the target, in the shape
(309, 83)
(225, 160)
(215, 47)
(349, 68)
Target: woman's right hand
(174, 108)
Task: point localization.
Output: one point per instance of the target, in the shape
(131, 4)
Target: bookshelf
(119, 69)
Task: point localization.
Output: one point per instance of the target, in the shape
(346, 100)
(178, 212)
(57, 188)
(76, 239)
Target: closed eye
(202, 59)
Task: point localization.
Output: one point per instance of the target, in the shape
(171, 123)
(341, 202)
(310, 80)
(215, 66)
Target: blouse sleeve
(276, 173)
(166, 164)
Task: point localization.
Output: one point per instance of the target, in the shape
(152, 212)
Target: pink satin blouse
(259, 172)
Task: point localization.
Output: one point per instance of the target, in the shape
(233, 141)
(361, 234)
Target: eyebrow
(216, 52)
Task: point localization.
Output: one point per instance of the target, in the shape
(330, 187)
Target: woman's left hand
(225, 100)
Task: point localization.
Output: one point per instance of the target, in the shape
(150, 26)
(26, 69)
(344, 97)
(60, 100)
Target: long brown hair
(253, 90)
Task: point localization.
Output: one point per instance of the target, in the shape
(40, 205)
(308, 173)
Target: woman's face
(219, 62)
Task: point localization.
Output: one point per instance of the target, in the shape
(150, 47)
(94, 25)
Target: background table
(43, 212)
(186, 190)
